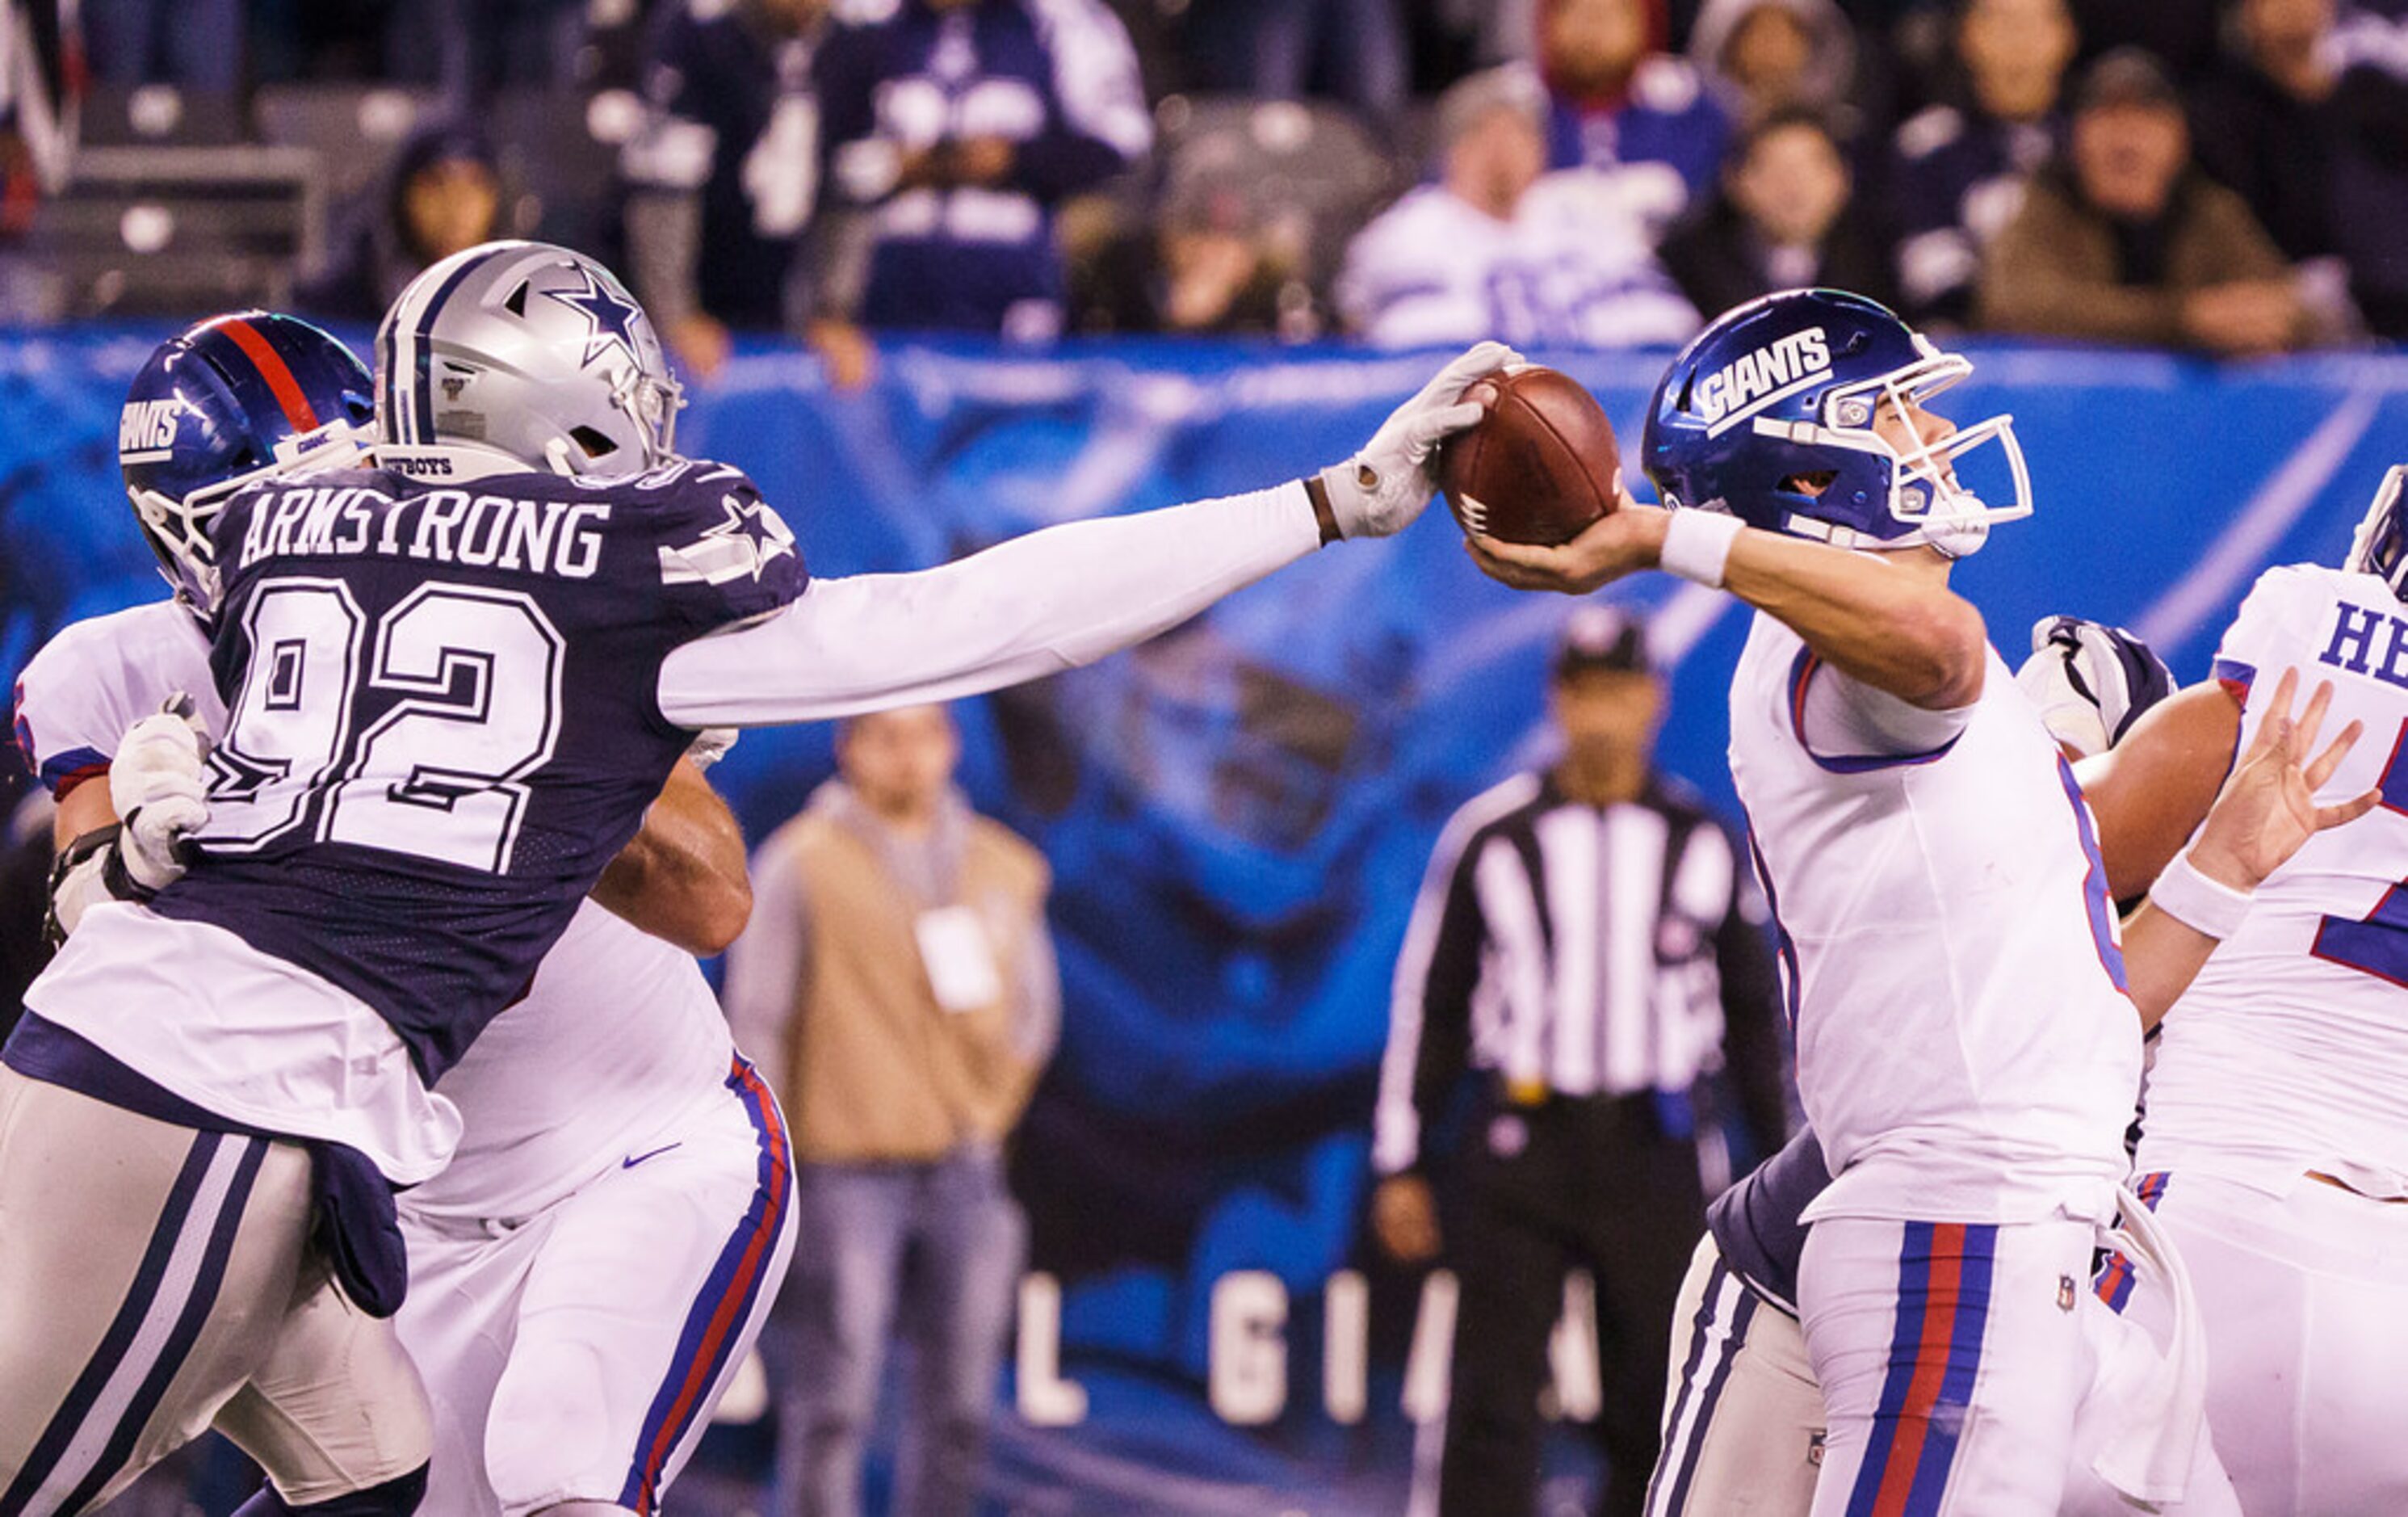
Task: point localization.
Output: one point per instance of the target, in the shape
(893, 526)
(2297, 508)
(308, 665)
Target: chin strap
(1957, 540)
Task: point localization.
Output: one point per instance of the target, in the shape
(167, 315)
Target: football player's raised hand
(2267, 806)
(1382, 488)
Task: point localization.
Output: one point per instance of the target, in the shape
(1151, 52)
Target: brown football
(1538, 467)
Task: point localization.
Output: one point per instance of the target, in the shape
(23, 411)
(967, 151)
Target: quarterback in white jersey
(601, 1253)
(2275, 1145)
(1969, 1047)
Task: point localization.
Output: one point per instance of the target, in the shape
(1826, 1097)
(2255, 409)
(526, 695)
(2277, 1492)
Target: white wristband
(2198, 902)
(1697, 545)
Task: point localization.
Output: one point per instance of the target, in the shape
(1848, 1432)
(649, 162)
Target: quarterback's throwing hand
(1382, 489)
(2268, 807)
(1623, 541)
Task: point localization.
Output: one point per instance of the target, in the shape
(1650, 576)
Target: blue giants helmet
(2381, 546)
(1784, 391)
(219, 404)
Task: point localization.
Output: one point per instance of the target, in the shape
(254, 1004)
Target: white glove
(2090, 681)
(160, 793)
(710, 744)
(1382, 489)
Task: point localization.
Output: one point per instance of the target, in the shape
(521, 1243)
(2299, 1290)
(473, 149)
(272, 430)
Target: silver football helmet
(531, 352)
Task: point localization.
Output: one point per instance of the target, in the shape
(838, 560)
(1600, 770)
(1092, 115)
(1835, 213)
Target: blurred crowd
(2226, 176)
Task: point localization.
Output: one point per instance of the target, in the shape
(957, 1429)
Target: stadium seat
(171, 230)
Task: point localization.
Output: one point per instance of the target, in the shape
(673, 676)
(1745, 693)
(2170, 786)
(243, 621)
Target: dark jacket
(2065, 269)
(1718, 260)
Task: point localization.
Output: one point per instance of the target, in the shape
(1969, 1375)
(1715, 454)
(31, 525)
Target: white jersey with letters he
(2289, 1051)
(618, 1164)
(2287, 1058)
(1965, 1048)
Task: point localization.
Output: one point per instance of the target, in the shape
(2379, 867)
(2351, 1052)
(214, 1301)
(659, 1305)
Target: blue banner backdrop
(1239, 811)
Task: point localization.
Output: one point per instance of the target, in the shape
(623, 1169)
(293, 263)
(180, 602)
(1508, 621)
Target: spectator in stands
(194, 43)
(2307, 117)
(445, 195)
(962, 124)
(1220, 256)
(1786, 216)
(2180, 34)
(1620, 105)
(2126, 241)
(2371, 178)
(40, 91)
(2264, 122)
(724, 180)
(470, 49)
(897, 986)
(1761, 55)
(1352, 51)
(1499, 247)
(1958, 167)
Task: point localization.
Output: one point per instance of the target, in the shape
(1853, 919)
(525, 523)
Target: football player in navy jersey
(620, 1181)
(454, 680)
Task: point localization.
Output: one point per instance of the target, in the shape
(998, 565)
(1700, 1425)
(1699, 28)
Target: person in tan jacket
(2127, 241)
(897, 986)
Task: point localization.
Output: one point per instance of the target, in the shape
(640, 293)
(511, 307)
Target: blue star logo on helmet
(612, 317)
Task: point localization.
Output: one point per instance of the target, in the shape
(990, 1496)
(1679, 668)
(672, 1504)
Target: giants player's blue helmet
(1769, 414)
(219, 405)
(2381, 546)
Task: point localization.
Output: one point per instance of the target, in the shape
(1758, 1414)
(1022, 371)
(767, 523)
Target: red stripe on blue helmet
(273, 368)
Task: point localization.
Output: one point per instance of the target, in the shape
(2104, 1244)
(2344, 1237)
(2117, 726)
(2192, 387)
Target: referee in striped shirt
(1584, 947)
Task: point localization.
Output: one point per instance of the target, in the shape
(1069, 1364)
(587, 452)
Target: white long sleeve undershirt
(1036, 605)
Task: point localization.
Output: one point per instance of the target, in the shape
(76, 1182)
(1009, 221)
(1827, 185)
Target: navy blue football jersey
(1757, 1223)
(442, 719)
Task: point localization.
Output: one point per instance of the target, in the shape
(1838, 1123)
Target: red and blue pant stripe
(2114, 1282)
(1943, 1304)
(729, 1294)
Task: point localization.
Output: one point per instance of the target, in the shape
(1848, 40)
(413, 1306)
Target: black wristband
(1326, 518)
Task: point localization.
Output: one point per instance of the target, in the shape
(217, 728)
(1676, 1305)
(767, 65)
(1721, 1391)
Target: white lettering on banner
(1345, 1348)
(1046, 1399)
(1757, 377)
(1576, 1386)
(1427, 1363)
(1247, 1379)
(1247, 1366)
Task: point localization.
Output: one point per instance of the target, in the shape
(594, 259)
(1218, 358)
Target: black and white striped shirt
(1582, 951)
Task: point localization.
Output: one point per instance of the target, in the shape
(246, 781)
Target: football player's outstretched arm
(2265, 811)
(1888, 620)
(1061, 596)
(681, 878)
(2150, 791)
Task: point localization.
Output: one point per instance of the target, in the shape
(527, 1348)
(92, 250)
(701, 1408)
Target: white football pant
(155, 1280)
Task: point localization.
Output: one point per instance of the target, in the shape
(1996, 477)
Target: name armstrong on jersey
(559, 537)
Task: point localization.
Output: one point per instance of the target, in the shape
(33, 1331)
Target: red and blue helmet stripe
(211, 407)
